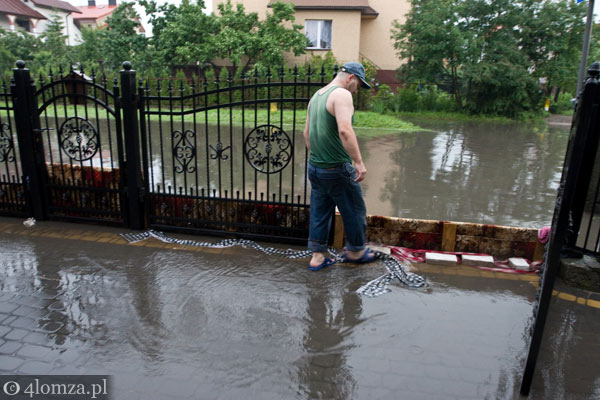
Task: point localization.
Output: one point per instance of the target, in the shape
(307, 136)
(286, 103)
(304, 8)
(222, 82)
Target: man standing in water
(332, 144)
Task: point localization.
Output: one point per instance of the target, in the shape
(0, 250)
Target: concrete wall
(69, 28)
(4, 22)
(345, 35)
(375, 42)
(353, 35)
(499, 241)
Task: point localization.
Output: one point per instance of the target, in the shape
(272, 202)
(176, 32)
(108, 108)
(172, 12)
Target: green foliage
(562, 104)
(54, 49)
(490, 54)
(17, 46)
(411, 99)
(594, 54)
(184, 35)
(122, 42)
(106, 49)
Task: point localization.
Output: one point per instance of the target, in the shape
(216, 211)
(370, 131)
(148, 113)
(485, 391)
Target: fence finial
(127, 66)
(21, 64)
(594, 69)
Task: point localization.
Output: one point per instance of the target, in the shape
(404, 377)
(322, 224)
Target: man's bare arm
(343, 111)
(307, 130)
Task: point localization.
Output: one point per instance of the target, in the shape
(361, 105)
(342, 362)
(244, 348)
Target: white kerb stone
(382, 249)
(519, 263)
(439, 258)
(481, 261)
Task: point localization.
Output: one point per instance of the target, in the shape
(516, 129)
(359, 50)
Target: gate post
(133, 172)
(29, 137)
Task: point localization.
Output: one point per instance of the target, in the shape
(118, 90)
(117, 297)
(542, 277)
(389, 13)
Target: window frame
(320, 25)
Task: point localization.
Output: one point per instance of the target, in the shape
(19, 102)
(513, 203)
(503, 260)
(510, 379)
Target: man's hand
(361, 171)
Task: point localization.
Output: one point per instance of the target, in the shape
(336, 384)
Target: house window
(318, 33)
(24, 24)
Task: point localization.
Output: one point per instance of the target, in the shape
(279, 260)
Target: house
(351, 29)
(95, 15)
(33, 16)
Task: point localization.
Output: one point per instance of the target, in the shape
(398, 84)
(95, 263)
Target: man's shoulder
(340, 94)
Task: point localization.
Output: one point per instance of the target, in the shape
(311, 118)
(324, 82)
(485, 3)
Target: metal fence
(222, 155)
(228, 155)
(574, 224)
(584, 232)
(12, 193)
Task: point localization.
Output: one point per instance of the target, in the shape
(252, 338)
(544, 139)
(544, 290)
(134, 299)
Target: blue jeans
(332, 187)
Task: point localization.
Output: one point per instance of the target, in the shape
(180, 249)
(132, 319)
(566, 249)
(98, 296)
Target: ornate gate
(12, 193)
(216, 155)
(81, 132)
(228, 155)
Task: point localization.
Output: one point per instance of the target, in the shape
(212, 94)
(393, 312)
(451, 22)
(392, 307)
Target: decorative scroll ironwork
(219, 151)
(184, 151)
(78, 139)
(268, 149)
(6, 144)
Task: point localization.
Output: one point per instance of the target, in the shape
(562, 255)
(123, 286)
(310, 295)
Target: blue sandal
(367, 257)
(328, 262)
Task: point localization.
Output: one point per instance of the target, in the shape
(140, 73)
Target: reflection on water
(504, 174)
(494, 173)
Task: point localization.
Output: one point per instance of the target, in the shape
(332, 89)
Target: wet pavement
(173, 322)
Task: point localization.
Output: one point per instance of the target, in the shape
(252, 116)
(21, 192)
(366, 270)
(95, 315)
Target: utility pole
(586, 46)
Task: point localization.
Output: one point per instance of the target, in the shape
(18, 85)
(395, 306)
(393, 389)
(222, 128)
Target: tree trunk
(456, 89)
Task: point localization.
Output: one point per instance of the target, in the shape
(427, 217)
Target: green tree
(105, 49)
(594, 45)
(184, 35)
(54, 50)
(490, 53)
(122, 42)
(91, 51)
(433, 45)
(17, 46)
(551, 35)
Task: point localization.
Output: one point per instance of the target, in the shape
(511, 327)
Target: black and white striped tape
(396, 268)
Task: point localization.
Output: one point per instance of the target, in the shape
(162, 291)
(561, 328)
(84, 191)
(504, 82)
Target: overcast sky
(209, 8)
(139, 9)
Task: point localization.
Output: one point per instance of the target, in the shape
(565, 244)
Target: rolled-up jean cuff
(317, 247)
(349, 247)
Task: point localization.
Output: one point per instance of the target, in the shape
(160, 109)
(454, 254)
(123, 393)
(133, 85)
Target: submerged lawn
(375, 123)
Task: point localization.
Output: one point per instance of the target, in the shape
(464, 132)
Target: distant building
(94, 15)
(33, 16)
(351, 29)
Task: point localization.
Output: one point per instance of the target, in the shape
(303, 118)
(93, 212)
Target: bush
(411, 99)
(563, 104)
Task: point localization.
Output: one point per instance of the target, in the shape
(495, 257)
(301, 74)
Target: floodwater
(482, 172)
(169, 323)
(491, 173)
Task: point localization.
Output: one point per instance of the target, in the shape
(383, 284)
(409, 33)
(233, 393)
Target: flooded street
(483, 172)
(170, 322)
(491, 173)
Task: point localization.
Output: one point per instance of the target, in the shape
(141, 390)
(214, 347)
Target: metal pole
(133, 172)
(586, 46)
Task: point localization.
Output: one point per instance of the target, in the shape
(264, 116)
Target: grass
(369, 123)
(454, 116)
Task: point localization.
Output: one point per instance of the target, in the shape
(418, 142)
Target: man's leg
(349, 198)
(321, 209)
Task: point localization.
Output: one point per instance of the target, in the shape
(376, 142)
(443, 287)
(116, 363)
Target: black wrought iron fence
(12, 193)
(221, 155)
(228, 155)
(585, 211)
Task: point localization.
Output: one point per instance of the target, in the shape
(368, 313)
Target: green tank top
(326, 149)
